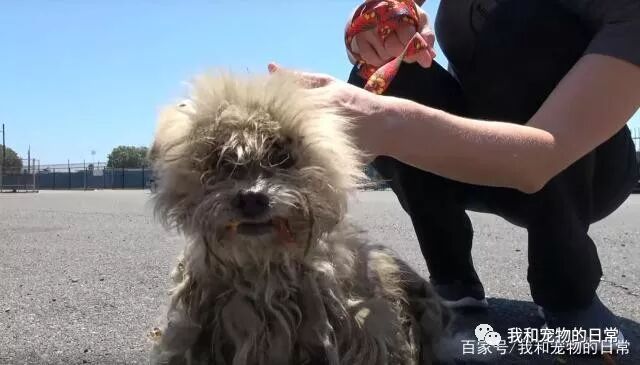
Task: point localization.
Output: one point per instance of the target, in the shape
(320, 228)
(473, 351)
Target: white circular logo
(492, 338)
(482, 330)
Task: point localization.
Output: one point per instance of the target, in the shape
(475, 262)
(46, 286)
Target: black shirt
(614, 25)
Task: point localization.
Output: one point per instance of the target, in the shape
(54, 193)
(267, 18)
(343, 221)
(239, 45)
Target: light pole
(4, 156)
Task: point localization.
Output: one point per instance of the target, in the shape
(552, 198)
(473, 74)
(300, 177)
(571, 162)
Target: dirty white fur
(327, 297)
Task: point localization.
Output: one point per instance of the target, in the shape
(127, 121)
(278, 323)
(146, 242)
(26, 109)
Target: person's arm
(595, 100)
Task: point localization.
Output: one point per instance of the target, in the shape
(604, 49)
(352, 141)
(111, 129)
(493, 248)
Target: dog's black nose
(251, 203)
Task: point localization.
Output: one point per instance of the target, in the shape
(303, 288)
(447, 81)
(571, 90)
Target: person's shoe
(596, 318)
(459, 294)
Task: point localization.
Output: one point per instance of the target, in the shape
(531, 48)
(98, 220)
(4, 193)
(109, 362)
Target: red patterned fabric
(384, 16)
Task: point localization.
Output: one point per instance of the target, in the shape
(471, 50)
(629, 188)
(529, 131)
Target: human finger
(306, 79)
(429, 36)
(423, 18)
(367, 52)
(394, 45)
(405, 33)
(373, 39)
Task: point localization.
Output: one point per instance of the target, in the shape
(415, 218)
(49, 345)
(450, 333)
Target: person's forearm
(476, 152)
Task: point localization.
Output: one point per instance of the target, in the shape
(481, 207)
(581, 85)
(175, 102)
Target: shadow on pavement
(504, 314)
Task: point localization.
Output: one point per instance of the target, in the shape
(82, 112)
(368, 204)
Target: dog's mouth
(255, 228)
(277, 225)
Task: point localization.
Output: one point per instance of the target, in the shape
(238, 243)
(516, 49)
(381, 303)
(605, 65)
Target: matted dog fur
(256, 175)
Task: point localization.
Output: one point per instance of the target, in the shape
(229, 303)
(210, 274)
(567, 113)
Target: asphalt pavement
(83, 275)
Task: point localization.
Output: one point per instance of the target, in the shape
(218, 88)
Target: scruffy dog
(256, 175)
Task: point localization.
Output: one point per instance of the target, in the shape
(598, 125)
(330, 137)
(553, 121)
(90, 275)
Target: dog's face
(256, 182)
(253, 167)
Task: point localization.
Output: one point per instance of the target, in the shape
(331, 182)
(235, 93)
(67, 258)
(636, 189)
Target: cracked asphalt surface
(84, 274)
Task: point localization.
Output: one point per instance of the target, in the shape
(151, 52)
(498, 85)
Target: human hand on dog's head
(368, 112)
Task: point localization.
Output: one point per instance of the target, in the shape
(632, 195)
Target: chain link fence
(18, 176)
(75, 177)
(90, 177)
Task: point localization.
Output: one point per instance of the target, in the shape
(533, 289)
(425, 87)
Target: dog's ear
(173, 126)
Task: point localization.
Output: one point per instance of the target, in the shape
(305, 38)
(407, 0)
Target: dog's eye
(225, 167)
(230, 170)
(281, 159)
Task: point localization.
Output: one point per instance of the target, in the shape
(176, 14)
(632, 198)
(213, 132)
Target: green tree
(128, 157)
(12, 163)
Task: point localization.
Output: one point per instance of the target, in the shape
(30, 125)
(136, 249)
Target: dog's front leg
(173, 347)
(431, 318)
(316, 334)
(174, 342)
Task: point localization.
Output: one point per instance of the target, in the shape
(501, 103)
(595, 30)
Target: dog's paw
(177, 274)
(375, 316)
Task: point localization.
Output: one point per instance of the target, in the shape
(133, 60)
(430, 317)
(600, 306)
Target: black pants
(564, 269)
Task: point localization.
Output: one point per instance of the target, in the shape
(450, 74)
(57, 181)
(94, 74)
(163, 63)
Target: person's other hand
(376, 53)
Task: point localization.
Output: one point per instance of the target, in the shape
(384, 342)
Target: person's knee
(408, 176)
(616, 174)
(419, 192)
